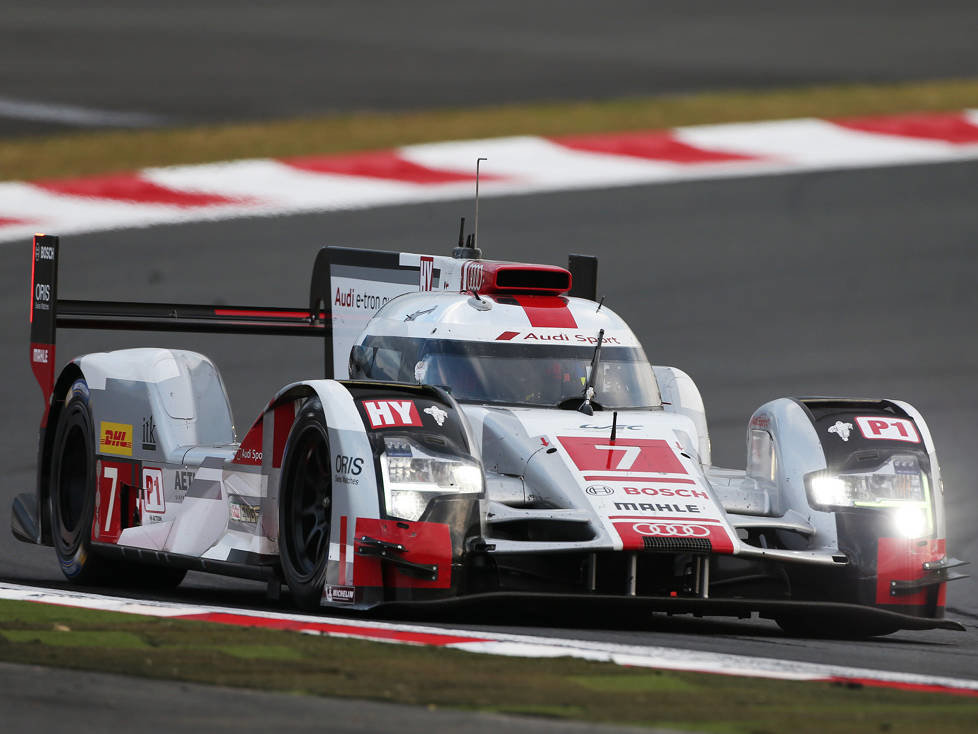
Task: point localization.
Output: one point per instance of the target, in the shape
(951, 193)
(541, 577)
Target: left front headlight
(899, 485)
(414, 475)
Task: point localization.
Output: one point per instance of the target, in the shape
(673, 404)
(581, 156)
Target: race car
(485, 431)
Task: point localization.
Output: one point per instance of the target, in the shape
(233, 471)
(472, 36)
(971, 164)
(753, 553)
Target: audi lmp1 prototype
(485, 431)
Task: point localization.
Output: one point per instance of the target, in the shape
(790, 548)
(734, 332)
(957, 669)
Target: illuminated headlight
(911, 522)
(414, 475)
(899, 484)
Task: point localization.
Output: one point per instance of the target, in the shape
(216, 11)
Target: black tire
(72, 490)
(305, 507)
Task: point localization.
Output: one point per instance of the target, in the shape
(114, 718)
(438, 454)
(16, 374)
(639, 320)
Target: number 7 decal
(109, 503)
(646, 455)
(627, 459)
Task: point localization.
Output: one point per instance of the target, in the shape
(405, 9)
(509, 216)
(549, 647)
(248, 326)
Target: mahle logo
(115, 438)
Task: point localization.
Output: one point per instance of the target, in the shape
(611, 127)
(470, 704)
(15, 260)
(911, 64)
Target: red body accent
(487, 276)
(113, 477)
(284, 418)
(343, 541)
(544, 311)
(42, 365)
(634, 531)
(425, 542)
(249, 452)
(902, 559)
(625, 454)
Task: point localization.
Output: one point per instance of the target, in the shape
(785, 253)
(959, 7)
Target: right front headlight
(414, 475)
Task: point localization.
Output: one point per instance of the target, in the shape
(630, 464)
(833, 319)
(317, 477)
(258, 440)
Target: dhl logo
(115, 438)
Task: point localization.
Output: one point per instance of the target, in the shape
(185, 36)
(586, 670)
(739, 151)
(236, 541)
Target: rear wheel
(72, 489)
(305, 507)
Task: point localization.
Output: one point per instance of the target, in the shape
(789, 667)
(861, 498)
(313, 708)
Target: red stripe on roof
(10, 221)
(130, 187)
(646, 478)
(949, 128)
(373, 633)
(659, 146)
(385, 164)
(547, 311)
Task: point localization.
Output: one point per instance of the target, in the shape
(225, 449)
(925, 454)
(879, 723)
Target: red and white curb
(492, 643)
(443, 171)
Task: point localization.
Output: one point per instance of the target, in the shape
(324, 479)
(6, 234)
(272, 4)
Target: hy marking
(488, 642)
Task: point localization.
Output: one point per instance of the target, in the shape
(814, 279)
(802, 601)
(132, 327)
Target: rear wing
(348, 287)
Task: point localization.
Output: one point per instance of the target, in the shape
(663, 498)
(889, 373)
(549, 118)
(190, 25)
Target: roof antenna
(599, 304)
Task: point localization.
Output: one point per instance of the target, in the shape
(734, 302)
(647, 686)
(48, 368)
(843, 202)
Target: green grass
(99, 152)
(559, 688)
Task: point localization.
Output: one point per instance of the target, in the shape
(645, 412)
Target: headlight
(414, 475)
(899, 485)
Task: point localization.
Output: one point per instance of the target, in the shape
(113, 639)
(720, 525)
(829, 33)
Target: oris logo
(671, 530)
(600, 490)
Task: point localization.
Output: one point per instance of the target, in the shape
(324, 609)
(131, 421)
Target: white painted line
(648, 656)
(21, 109)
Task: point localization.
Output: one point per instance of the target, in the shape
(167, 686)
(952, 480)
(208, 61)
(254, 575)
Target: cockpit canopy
(545, 375)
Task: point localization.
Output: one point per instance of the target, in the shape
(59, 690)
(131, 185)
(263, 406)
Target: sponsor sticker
(887, 429)
(151, 499)
(149, 434)
(842, 430)
(115, 438)
(242, 511)
(39, 355)
(341, 594)
(437, 413)
(599, 490)
(392, 413)
(427, 273)
(671, 530)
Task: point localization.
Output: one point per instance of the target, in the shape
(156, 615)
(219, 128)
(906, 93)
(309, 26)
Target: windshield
(522, 374)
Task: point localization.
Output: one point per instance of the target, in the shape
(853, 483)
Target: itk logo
(149, 434)
(391, 413)
(427, 274)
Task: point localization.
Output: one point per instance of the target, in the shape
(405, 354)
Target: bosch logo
(670, 530)
(44, 252)
(600, 490)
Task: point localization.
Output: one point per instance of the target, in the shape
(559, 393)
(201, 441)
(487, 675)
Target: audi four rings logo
(676, 531)
(599, 489)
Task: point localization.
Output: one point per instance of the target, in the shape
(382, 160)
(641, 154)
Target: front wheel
(305, 507)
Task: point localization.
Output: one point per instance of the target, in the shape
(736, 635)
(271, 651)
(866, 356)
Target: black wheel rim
(72, 484)
(309, 500)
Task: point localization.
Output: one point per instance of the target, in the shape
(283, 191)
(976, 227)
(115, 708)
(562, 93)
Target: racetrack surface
(114, 63)
(845, 283)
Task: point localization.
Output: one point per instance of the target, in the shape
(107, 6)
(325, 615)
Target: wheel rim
(309, 503)
(72, 484)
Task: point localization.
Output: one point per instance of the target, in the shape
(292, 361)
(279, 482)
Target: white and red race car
(484, 430)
